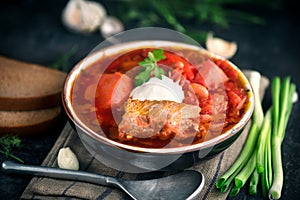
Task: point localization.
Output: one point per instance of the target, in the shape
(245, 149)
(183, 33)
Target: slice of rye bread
(26, 86)
(28, 122)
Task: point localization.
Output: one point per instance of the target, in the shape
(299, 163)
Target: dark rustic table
(32, 31)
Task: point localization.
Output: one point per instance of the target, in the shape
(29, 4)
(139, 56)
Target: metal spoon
(183, 185)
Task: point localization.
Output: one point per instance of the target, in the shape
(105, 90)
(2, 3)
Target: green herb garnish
(8, 142)
(188, 17)
(149, 65)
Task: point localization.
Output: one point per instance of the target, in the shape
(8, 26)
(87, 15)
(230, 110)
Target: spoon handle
(10, 167)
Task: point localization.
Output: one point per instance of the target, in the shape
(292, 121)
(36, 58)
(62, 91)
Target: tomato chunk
(112, 90)
(228, 69)
(172, 58)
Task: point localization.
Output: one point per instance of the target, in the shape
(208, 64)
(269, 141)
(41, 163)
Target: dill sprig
(8, 142)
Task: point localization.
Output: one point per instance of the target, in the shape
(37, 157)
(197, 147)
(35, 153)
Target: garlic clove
(83, 16)
(111, 26)
(66, 159)
(220, 47)
(295, 97)
(71, 16)
(93, 15)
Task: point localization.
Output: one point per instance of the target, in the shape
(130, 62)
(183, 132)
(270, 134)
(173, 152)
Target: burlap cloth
(48, 188)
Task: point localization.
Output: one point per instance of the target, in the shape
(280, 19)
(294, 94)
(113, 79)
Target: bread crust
(32, 123)
(27, 104)
(26, 86)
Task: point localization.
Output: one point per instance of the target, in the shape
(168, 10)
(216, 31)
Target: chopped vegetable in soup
(160, 97)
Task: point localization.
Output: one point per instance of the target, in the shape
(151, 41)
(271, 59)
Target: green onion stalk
(261, 143)
(253, 182)
(224, 181)
(282, 101)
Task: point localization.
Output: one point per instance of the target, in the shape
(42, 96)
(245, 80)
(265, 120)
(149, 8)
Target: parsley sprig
(7, 142)
(150, 64)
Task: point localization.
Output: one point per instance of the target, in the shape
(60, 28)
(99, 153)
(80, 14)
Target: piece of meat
(210, 74)
(144, 119)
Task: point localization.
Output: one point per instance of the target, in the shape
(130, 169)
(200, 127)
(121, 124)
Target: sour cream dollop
(158, 90)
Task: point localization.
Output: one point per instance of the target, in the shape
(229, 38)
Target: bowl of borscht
(148, 105)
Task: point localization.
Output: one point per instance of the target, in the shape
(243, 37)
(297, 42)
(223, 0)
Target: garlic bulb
(83, 16)
(220, 47)
(66, 159)
(111, 26)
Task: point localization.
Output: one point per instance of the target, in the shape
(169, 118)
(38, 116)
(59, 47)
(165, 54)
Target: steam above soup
(184, 98)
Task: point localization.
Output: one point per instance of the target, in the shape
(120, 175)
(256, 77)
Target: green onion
(246, 172)
(262, 147)
(253, 182)
(244, 156)
(275, 190)
(275, 102)
(262, 140)
(258, 115)
(283, 100)
(234, 191)
(266, 176)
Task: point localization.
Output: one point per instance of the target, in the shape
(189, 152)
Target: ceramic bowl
(137, 159)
